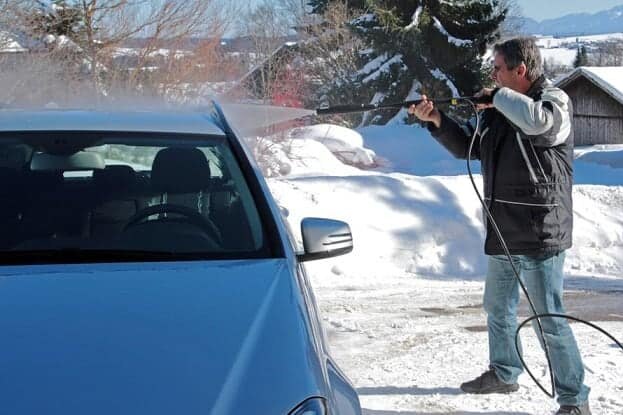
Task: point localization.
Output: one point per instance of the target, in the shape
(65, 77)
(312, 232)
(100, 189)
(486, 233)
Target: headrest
(115, 176)
(180, 170)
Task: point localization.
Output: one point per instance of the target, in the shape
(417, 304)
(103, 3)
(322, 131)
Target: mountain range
(607, 21)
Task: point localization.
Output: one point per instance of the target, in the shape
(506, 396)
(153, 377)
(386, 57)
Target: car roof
(118, 121)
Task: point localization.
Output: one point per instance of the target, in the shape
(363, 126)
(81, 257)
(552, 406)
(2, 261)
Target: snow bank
(343, 142)
(600, 164)
(412, 150)
(607, 155)
(406, 221)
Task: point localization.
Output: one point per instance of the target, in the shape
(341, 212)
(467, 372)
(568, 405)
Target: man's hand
(485, 92)
(426, 111)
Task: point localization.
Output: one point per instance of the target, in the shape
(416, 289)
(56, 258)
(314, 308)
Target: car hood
(188, 338)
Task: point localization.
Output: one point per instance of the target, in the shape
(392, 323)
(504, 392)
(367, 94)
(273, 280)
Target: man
(525, 145)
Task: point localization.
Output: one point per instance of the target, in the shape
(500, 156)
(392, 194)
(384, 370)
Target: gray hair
(522, 50)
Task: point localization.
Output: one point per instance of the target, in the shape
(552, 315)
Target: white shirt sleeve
(546, 121)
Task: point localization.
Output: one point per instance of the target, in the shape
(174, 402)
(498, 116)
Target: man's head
(516, 63)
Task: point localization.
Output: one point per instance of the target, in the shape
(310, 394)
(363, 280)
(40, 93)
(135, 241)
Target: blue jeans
(543, 278)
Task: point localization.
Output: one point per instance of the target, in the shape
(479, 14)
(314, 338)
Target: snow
(413, 95)
(344, 142)
(403, 311)
(563, 50)
(553, 42)
(366, 18)
(374, 64)
(384, 68)
(415, 19)
(603, 161)
(9, 45)
(451, 39)
(437, 73)
(561, 56)
(604, 153)
(160, 52)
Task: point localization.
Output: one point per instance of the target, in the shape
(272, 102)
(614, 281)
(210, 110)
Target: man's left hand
(485, 92)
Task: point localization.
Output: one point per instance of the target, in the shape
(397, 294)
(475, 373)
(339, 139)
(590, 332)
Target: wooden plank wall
(598, 118)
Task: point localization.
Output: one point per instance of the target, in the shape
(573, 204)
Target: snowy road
(408, 343)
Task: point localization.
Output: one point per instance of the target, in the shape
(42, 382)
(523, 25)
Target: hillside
(577, 24)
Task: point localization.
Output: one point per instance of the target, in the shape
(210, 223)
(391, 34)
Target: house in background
(13, 51)
(276, 80)
(597, 95)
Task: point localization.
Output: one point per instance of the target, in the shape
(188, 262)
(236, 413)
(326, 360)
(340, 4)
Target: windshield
(82, 197)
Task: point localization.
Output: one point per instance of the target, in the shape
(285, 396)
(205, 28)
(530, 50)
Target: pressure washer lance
(473, 101)
(344, 109)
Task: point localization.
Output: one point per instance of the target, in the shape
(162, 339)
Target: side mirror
(324, 238)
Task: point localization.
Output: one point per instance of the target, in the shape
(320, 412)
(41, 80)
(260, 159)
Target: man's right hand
(426, 111)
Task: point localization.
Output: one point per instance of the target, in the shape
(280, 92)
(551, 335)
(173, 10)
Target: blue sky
(547, 9)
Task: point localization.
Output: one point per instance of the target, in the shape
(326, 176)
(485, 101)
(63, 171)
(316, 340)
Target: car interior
(182, 198)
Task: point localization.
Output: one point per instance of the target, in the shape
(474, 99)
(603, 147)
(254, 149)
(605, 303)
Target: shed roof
(10, 44)
(608, 78)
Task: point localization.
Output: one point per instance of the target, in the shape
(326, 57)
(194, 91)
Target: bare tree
(512, 24)
(332, 51)
(607, 53)
(553, 69)
(295, 11)
(6, 15)
(4, 9)
(193, 77)
(267, 27)
(158, 30)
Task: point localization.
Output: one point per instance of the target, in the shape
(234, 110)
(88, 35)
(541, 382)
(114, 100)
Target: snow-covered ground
(561, 56)
(563, 50)
(403, 311)
(553, 42)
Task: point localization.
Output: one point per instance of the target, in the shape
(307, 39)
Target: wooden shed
(12, 53)
(597, 95)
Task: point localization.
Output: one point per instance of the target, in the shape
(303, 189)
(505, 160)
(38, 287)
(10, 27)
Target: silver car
(146, 269)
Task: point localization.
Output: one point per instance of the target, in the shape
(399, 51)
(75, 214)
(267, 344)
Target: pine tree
(581, 58)
(423, 46)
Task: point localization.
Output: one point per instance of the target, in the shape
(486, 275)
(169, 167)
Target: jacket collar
(537, 86)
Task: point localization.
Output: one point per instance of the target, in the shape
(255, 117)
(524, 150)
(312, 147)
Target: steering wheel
(190, 216)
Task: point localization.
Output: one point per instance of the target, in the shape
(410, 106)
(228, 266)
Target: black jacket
(525, 145)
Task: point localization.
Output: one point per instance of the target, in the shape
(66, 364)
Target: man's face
(504, 77)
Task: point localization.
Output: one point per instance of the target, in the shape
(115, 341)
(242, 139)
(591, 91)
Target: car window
(124, 197)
